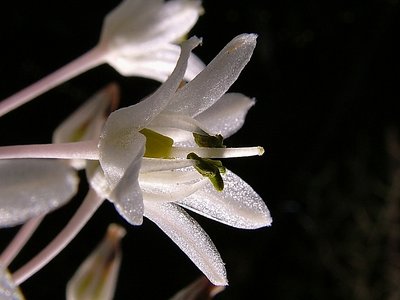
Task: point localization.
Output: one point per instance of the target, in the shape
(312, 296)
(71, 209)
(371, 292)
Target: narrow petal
(204, 90)
(190, 237)
(238, 205)
(120, 159)
(157, 64)
(137, 116)
(127, 195)
(31, 187)
(227, 115)
(8, 289)
(156, 164)
(172, 185)
(117, 151)
(135, 26)
(96, 278)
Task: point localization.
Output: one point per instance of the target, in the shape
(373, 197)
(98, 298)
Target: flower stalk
(88, 207)
(76, 67)
(19, 241)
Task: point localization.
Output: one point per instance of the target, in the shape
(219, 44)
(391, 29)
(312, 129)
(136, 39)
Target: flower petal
(8, 289)
(136, 117)
(31, 187)
(190, 237)
(127, 195)
(204, 90)
(136, 26)
(227, 115)
(238, 205)
(172, 185)
(157, 164)
(97, 276)
(157, 64)
(120, 158)
(117, 151)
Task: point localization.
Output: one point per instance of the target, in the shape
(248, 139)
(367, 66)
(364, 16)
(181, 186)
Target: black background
(325, 75)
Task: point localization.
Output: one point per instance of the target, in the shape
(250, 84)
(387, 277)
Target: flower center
(157, 145)
(161, 146)
(208, 147)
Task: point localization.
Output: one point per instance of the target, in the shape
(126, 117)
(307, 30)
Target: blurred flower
(138, 38)
(8, 289)
(97, 276)
(139, 35)
(32, 187)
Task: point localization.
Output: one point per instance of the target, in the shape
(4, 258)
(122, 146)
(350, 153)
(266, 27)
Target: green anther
(157, 145)
(209, 168)
(210, 141)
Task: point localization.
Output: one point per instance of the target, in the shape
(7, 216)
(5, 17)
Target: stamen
(182, 152)
(212, 141)
(211, 169)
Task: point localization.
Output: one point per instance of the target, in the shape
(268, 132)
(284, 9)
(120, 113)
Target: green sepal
(157, 145)
(209, 168)
(209, 141)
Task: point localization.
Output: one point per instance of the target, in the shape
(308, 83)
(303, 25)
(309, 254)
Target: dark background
(325, 75)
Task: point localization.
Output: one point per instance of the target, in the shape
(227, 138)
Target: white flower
(139, 37)
(157, 155)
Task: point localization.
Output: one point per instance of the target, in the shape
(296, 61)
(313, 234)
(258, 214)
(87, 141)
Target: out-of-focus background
(325, 76)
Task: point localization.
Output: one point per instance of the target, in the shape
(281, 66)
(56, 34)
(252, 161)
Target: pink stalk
(78, 221)
(90, 59)
(19, 241)
(77, 150)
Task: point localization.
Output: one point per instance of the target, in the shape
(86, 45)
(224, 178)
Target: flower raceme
(160, 156)
(138, 38)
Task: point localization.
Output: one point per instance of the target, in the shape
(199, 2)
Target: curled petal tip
(245, 39)
(248, 37)
(267, 221)
(260, 221)
(223, 281)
